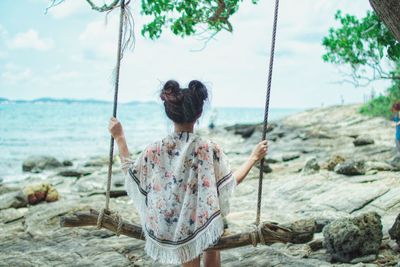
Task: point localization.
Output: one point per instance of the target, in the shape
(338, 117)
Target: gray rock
(394, 231)
(15, 199)
(266, 169)
(363, 141)
(96, 162)
(395, 162)
(378, 166)
(351, 167)
(350, 238)
(12, 214)
(67, 163)
(310, 167)
(73, 173)
(40, 163)
(271, 160)
(290, 156)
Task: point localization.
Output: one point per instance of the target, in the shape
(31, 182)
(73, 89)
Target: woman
(396, 119)
(181, 184)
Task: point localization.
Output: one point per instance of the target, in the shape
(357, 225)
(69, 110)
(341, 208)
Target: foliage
(366, 46)
(182, 17)
(370, 52)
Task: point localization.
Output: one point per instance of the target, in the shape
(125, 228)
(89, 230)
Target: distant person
(213, 118)
(396, 119)
(181, 184)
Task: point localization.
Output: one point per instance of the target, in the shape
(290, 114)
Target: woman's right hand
(260, 151)
(115, 129)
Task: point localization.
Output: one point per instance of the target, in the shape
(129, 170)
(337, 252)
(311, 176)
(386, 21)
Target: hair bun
(171, 92)
(198, 89)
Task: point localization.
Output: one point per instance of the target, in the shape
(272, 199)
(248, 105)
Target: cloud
(14, 74)
(30, 39)
(68, 8)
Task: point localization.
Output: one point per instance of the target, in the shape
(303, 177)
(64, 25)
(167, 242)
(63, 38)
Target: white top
(180, 186)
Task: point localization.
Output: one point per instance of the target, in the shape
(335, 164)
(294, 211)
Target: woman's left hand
(115, 128)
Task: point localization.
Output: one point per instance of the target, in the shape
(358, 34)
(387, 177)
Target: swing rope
(264, 134)
(111, 155)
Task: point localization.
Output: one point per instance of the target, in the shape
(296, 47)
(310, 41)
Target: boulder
(350, 238)
(394, 232)
(271, 160)
(40, 192)
(67, 163)
(266, 169)
(395, 162)
(311, 166)
(363, 141)
(351, 167)
(39, 163)
(13, 199)
(333, 161)
(73, 173)
(290, 156)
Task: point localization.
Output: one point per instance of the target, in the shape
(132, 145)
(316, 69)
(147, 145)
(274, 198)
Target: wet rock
(351, 167)
(333, 161)
(39, 163)
(40, 192)
(14, 199)
(73, 173)
(67, 163)
(311, 166)
(363, 141)
(394, 231)
(290, 156)
(350, 238)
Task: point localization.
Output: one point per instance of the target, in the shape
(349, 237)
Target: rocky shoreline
(331, 165)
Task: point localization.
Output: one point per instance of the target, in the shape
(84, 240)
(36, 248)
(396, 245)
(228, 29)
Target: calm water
(79, 130)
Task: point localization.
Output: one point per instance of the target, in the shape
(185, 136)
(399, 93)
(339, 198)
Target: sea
(77, 130)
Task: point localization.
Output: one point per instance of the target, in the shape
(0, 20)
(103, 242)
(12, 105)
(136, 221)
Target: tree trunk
(300, 232)
(389, 12)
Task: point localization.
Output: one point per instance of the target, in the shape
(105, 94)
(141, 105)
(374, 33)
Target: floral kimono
(180, 186)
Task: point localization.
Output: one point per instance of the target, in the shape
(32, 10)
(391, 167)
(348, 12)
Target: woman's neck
(184, 127)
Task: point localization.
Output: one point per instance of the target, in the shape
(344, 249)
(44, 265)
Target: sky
(70, 53)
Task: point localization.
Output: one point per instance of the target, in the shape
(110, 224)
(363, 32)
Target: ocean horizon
(69, 129)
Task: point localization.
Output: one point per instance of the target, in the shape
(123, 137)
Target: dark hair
(396, 106)
(184, 105)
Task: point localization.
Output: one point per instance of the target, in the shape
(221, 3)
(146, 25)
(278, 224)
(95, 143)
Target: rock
(271, 160)
(394, 231)
(245, 130)
(310, 167)
(378, 166)
(351, 167)
(267, 168)
(333, 161)
(12, 214)
(40, 163)
(350, 238)
(96, 162)
(306, 226)
(290, 156)
(73, 173)
(395, 162)
(40, 192)
(14, 199)
(316, 134)
(67, 163)
(363, 141)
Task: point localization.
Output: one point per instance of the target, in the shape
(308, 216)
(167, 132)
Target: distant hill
(69, 100)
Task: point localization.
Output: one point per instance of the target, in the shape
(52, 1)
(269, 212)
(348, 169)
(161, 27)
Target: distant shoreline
(67, 101)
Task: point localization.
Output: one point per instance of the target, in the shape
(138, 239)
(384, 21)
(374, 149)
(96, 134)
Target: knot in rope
(257, 232)
(114, 215)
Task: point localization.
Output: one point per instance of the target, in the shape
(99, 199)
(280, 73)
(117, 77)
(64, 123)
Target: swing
(264, 233)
